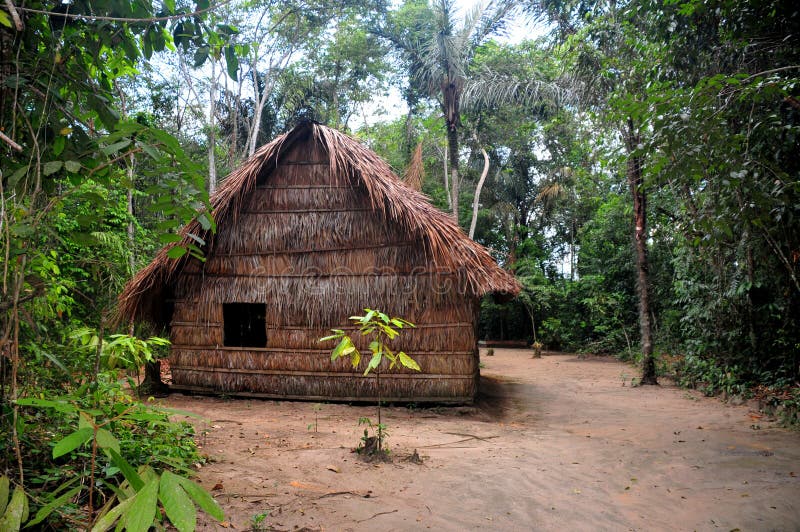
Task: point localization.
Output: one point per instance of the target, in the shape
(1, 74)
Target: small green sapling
(381, 329)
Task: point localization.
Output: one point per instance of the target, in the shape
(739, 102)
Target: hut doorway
(245, 324)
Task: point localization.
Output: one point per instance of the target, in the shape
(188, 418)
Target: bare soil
(557, 443)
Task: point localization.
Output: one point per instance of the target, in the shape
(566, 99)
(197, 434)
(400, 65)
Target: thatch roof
(446, 244)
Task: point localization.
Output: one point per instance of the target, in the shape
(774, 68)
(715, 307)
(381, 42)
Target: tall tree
(614, 64)
(441, 62)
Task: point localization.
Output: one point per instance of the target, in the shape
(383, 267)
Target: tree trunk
(636, 184)
(131, 219)
(408, 139)
(447, 180)
(477, 199)
(212, 140)
(452, 149)
(152, 384)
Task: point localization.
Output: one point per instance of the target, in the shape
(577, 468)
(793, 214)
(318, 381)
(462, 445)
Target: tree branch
(10, 142)
(125, 19)
(15, 15)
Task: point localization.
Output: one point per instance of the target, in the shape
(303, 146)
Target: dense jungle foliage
(635, 165)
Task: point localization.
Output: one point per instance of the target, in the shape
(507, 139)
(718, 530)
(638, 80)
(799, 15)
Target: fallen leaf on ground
(305, 486)
(332, 468)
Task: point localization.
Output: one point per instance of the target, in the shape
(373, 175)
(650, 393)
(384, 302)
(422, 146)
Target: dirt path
(555, 443)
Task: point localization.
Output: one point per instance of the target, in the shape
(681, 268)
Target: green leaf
(72, 442)
(108, 115)
(85, 421)
(48, 508)
(113, 148)
(52, 167)
(197, 239)
(59, 406)
(128, 471)
(72, 166)
(374, 362)
(330, 337)
(16, 511)
(147, 45)
(131, 50)
(108, 520)
(5, 20)
(205, 222)
(16, 176)
(232, 61)
(408, 362)
(200, 56)
(106, 440)
(203, 499)
(3, 493)
(337, 351)
(168, 238)
(58, 145)
(227, 29)
(151, 151)
(176, 252)
(140, 516)
(157, 39)
(179, 507)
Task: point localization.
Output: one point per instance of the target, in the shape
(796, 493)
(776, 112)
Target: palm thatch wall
(316, 227)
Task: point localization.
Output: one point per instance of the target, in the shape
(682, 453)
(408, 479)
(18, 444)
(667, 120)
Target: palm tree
(440, 59)
(444, 71)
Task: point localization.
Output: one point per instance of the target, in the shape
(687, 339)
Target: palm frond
(550, 192)
(490, 89)
(487, 18)
(415, 172)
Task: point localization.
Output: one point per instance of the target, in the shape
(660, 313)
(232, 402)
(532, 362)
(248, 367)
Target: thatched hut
(311, 229)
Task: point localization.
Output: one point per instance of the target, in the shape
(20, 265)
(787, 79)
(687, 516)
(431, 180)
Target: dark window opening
(245, 324)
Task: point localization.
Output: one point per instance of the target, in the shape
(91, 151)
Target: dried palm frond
(415, 172)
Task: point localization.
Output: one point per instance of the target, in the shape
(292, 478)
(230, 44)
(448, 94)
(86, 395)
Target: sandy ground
(556, 443)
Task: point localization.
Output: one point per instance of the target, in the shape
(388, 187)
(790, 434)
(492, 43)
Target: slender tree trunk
(447, 180)
(636, 184)
(212, 137)
(408, 144)
(452, 148)
(261, 97)
(380, 431)
(131, 225)
(15, 362)
(477, 199)
(234, 146)
(572, 260)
